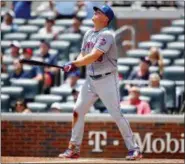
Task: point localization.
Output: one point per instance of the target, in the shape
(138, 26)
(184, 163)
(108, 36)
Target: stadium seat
(128, 109)
(170, 53)
(38, 22)
(128, 61)
(88, 22)
(7, 59)
(31, 87)
(172, 30)
(176, 45)
(52, 52)
(40, 37)
(124, 71)
(163, 38)
(10, 68)
(148, 44)
(64, 90)
(181, 38)
(37, 107)
(46, 14)
(5, 31)
(62, 47)
(28, 29)
(48, 98)
(19, 21)
(179, 62)
(64, 22)
(5, 103)
(137, 53)
(15, 36)
(175, 73)
(178, 22)
(5, 78)
(84, 29)
(67, 107)
(99, 105)
(15, 93)
(170, 95)
(157, 96)
(30, 44)
(5, 44)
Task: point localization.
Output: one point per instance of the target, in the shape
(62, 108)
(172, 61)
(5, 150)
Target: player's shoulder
(107, 32)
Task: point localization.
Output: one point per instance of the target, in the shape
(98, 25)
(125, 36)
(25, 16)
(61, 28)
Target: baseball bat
(38, 63)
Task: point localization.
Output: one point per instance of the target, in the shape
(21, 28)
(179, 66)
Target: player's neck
(99, 27)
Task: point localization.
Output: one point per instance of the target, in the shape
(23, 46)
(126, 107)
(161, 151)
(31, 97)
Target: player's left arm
(103, 44)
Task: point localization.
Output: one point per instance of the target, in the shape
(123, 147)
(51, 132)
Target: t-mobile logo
(98, 141)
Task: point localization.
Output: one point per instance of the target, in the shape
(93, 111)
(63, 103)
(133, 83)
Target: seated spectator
(55, 108)
(49, 72)
(21, 107)
(142, 106)
(75, 26)
(22, 9)
(8, 22)
(14, 49)
(154, 80)
(156, 59)
(27, 53)
(18, 72)
(73, 77)
(3, 66)
(48, 28)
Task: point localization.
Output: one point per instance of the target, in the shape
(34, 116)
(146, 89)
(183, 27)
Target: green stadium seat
(178, 22)
(61, 29)
(26, 68)
(52, 52)
(40, 37)
(7, 59)
(84, 29)
(128, 61)
(128, 109)
(15, 93)
(48, 98)
(176, 45)
(30, 86)
(64, 90)
(99, 105)
(28, 29)
(64, 22)
(19, 21)
(5, 103)
(87, 22)
(173, 73)
(181, 38)
(163, 38)
(15, 36)
(5, 44)
(38, 22)
(137, 53)
(124, 71)
(37, 107)
(46, 14)
(170, 95)
(157, 97)
(5, 31)
(5, 78)
(179, 62)
(67, 107)
(148, 44)
(170, 53)
(172, 30)
(35, 44)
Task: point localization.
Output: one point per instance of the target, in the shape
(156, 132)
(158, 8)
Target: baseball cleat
(69, 153)
(134, 155)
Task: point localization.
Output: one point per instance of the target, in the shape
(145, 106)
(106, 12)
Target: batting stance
(99, 54)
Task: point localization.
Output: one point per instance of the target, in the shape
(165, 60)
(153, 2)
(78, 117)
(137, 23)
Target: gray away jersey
(102, 40)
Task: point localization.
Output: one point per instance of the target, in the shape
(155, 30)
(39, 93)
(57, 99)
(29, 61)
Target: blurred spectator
(75, 94)
(27, 53)
(22, 9)
(8, 21)
(2, 3)
(21, 107)
(65, 10)
(48, 28)
(3, 66)
(14, 51)
(142, 106)
(49, 72)
(156, 59)
(73, 77)
(154, 80)
(18, 72)
(75, 26)
(55, 108)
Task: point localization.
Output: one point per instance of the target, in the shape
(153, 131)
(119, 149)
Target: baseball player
(99, 55)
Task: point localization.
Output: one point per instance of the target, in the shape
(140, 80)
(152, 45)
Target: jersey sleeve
(84, 41)
(104, 42)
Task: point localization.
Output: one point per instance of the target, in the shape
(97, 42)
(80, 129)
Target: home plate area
(34, 160)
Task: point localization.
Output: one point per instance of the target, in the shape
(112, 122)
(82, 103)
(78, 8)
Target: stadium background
(46, 134)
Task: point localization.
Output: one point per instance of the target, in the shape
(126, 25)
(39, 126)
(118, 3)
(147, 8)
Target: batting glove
(69, 67)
